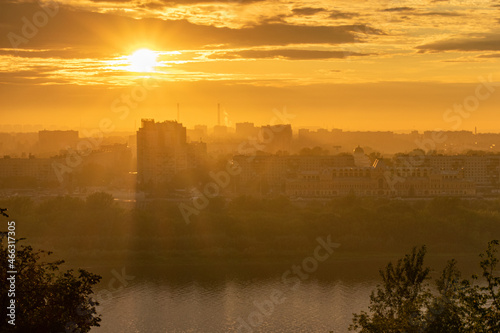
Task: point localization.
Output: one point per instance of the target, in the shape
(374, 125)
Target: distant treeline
(247, 226)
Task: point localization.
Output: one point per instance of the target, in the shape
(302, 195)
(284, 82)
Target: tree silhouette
(47, 300)
(397, 304)
(404, 303)
(481, 302)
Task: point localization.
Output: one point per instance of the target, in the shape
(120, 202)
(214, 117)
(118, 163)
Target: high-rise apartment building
(161, 151)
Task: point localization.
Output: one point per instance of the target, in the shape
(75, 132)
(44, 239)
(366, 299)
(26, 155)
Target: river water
(241, 298)
(234, 306)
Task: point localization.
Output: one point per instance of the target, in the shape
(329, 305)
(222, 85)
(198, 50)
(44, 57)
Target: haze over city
(249, 166)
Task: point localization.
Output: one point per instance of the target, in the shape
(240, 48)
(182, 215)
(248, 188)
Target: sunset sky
(357, 65)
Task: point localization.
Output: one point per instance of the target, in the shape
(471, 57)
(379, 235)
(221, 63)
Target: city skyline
(208, 166)
(264, 162)
(34, 128)
(228, 138)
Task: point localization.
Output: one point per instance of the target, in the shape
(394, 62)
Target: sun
(143, 60)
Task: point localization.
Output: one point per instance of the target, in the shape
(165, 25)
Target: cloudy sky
(358, 65)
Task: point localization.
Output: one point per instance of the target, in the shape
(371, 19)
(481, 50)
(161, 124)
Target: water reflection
(233, 304)
(217, 297)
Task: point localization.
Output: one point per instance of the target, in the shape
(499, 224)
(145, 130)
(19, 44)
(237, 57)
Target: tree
(375, 155)
(397, 304)
(444, 313)
(481, 303)
(46, 300)
(405, 304)
(316, 151)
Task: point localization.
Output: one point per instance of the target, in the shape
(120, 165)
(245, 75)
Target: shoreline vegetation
(404, 300)
(254, 229)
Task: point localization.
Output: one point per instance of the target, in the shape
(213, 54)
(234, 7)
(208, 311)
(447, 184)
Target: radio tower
(218, 114)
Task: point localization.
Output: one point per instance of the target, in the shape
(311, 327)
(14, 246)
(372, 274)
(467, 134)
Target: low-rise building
(380, 180)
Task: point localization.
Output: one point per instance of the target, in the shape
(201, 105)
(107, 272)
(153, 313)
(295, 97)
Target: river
(242, 299)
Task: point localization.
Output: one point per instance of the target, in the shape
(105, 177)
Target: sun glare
(143, 60)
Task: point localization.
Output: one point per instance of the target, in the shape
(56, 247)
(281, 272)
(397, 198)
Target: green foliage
(249, 225)
(444, 313)
(375, 155)
(404, 303)
(397, 305)
(47, 300)
(481, 303)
